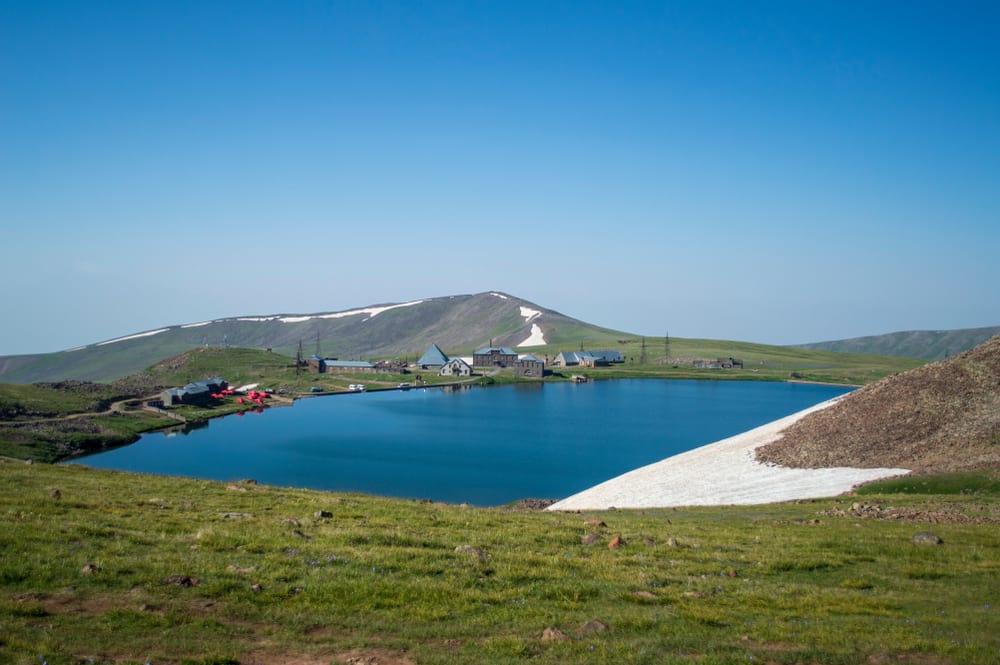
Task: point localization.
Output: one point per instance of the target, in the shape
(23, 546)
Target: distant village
(482, 361)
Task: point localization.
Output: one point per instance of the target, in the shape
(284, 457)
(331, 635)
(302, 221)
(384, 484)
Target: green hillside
(924, 344)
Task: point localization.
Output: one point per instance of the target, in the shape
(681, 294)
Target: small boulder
(90, 569)
(181, 580)
(927, 538)
(590, 539)
(479, 553)
(594, 626)
(322, 514)
(554, 635)
(615, 543)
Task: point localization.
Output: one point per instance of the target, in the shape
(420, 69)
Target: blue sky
(772, 172)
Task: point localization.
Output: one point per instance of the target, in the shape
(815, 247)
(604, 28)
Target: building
(587, 358)
(196, 392)
(494, 356)
(433, 357)
(529, 367)
(319, 365)
(719, 363)
(456, 367)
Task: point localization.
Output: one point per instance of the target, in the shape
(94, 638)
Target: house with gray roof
(319, 365)
(587, 358)
(196, 392)
(494, 356)
(433, 357)
(530, 367)
(456, 367)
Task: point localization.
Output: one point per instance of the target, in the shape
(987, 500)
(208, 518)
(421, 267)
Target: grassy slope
(380, 580)
(925, 344)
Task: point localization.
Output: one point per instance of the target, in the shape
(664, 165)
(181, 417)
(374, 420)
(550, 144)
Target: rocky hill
(944, 416)
(924, 344)
(459, 323)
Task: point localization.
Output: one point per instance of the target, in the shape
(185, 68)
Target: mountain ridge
(455, 322)
(923, 344)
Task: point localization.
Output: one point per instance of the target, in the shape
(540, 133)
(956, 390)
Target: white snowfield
(723, 473)
(372, 312)
(536, 338)
(529, 313)
(137, 336)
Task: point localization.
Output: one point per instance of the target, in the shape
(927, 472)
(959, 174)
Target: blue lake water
(483, 446)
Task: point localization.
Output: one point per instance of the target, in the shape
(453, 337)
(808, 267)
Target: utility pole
(298, 360)
(642, 352)
(666, 347)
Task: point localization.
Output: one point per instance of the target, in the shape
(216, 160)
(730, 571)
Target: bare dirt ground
(941, 417)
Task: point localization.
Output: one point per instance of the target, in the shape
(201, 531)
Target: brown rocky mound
(941, 417)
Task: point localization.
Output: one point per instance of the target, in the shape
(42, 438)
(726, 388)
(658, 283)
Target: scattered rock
(243, 570)
(927, 538)
(596, 523)
(236, 488)
(594, 626)
(322, 514)
(248, 481)
(90, 569)
(236, 516)
(532, 504)
(181, 580)
(672, 542)
(469, 549)
(615, 543)
(56, 494)
(590, 539)
(291, 521)
(554, 635)
(256, 588)
(645, 595)
(299, 534)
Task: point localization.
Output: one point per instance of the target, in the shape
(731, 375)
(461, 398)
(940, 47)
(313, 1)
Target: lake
(483, 446)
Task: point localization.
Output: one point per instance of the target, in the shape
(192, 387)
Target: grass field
(103, 567)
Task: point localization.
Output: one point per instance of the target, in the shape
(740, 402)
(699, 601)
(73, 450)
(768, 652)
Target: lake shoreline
(723, 473)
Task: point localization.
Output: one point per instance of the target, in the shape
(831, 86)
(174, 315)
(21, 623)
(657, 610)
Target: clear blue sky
(777, 172)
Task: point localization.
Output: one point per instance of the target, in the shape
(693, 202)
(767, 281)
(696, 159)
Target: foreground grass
(119, 568)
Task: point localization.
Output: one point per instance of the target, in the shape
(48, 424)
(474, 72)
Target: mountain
(459, 323)
(924, 344)
(943, 416)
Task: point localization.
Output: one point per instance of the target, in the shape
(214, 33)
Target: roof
(503, 350)
(360, 364)
(459, 361)
(529, 358)
(433, 356)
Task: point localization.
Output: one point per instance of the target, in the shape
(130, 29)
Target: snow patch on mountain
(529, 313)
(370, 311)
(122, 339)
(536, 338)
